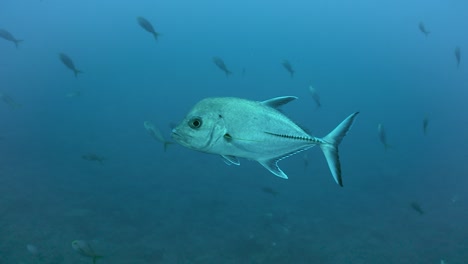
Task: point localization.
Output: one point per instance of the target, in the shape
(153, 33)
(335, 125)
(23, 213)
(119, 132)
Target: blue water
(144, 205)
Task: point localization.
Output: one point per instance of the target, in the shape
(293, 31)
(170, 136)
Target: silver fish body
(240, 128)
(155, 133)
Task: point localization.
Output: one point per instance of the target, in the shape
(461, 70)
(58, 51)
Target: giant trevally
(221, 65)
(67, 61)
(240, 128)
(8, 36)
(146, 25)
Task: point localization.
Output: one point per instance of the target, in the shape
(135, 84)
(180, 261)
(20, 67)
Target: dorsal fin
(279, 101)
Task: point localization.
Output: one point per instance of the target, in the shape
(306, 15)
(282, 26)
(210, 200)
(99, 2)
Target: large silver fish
(239, 128)
(8, 36)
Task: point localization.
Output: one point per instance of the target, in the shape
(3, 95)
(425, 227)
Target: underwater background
(136, 203)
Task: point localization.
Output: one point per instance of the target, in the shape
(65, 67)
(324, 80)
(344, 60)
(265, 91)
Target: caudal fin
(17, 42)
(330, 145)
(76, 71)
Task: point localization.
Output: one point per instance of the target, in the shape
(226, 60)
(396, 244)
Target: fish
(221, 65)
(146, 25)
(288, 67)
(423, 29)
(4, 34)
(270, 190)
(315, 96)
(382, 136)
(85, 249)
(458, 56)
(93, 157)
(32, 249)
(73, 94)
(256, 130)
(67, 61)
(156, 134)
(425, 124)
(9, 101)
(415, 206)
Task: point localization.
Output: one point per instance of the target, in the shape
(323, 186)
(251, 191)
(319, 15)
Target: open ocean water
(82, 180)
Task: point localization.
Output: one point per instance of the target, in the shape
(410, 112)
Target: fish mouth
(177, 137)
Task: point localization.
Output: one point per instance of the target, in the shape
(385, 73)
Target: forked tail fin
(330, 145)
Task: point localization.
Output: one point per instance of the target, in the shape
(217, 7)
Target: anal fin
(272, 166)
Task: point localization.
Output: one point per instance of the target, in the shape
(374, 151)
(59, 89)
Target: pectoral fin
(229, 160)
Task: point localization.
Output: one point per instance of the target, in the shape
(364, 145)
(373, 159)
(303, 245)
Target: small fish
(156, 134)
(270, 191)
(382, 136)
(73, 94)
(85, 249)
(146, 25)
(425, 124)
(415, 206)
(9, 101)
(423, 29)
(315, 96)
(240, 128)
(8, 36)
(458, 56)
(32, 250)
(67, 61)
(288, 67)
(93, 157)
(221, 65)
(443, 261)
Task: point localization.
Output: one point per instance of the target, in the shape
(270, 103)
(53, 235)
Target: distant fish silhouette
(415, 206)
(315, 96)
(8, 36)
(146, 25)
(67, 61)
(9, 101)
(423, 29)
(458, 55)
(425, 125)
(221, 65)
(85, 249)
(270, 191)
(288, 67)
(93, 157)
(382, 136)
(156, 134)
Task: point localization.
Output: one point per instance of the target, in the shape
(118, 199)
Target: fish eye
(195, 122)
